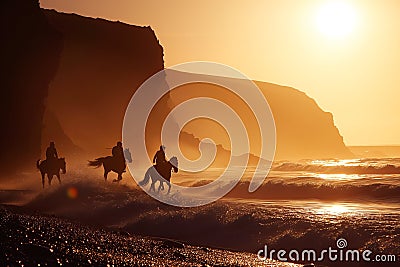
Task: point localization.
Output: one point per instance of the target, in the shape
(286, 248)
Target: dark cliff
(30, 49)
(104, 62)
(53, 131)
(101, 66)
(89, 68)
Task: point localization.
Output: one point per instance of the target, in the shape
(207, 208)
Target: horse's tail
(146, 178)
(38, 164)
(96, 163)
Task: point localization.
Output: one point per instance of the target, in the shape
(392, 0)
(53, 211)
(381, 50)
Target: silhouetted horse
(110, 164)
(52, 168)
(161, 174)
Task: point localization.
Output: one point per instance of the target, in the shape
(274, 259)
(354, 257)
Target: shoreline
(31, 238)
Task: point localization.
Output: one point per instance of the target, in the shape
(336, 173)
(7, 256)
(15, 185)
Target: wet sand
(32, 239)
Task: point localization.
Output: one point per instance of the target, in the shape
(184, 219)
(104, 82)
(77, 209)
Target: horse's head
(174, 162)
(63, 165)
(127, 155)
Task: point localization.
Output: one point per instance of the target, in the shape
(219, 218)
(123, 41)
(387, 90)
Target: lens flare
(72, 192)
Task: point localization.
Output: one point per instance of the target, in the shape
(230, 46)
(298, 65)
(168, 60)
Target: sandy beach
(29, 239)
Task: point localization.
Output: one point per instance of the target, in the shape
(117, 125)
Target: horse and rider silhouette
(115, 163)
(51, 165)
(160, 172)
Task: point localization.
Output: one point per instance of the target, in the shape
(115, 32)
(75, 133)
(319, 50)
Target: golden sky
(348, 61)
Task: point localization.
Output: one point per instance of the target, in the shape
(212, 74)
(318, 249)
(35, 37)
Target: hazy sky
(346, 56)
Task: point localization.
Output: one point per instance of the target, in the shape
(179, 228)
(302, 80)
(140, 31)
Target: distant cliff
(101, 66)
(303, 129)
(30, 49)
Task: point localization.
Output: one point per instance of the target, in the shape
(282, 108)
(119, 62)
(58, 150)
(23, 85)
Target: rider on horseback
(52, 165)
(118, 155)
(115, 163)
(51, 153)
(159, 157)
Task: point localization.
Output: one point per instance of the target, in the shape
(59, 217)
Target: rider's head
(119, 143)
(162, 147)
(52, 144)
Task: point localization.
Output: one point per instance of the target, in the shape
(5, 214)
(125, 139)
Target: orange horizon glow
(344, 54)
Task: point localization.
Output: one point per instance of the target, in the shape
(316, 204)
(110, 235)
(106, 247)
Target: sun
(336, 19)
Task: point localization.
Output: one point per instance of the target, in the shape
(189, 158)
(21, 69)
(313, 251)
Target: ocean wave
(326, 191)
(228, 224)
(338, 169)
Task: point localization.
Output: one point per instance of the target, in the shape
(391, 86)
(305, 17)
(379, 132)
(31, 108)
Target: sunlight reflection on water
(340, 176)
(335, 209)
(343, 162)
(324, 208)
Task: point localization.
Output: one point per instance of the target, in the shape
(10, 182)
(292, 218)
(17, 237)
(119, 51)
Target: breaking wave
(230, 223)
(338, 169)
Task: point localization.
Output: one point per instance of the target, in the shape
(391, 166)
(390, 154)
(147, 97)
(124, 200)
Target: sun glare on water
(335, 209)
(336, 19)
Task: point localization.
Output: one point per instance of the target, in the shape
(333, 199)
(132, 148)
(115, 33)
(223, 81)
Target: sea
(309, 205)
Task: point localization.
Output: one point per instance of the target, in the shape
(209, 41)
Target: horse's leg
(43, 177)
(169, 186)
(59, 178)
(161, 185)
(105, 174)
(49, 177)
(152, 187)
(119, 176)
